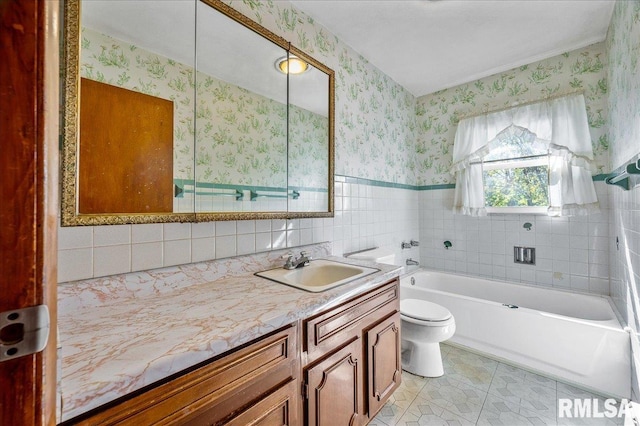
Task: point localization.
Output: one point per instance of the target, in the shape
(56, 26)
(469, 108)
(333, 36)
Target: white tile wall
(571, 253)
(625, 257)
(365, 216)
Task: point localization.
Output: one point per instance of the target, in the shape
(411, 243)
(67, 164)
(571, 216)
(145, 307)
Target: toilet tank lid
(423, 310)
(373, 254)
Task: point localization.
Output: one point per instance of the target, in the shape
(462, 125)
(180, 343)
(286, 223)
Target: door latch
(23, 331)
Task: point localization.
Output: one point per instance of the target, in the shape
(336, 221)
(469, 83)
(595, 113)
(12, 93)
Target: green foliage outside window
(525, 186)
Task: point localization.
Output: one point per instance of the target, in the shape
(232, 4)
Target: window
(535, 157)
(515, 174)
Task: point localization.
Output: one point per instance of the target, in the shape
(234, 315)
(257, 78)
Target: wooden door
(383, 353)
(335, 388)
(28, 163)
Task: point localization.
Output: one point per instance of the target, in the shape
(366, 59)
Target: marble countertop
(155, 325)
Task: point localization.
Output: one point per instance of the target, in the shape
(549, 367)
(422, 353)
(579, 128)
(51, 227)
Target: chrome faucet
(293, 262)
(411, 262)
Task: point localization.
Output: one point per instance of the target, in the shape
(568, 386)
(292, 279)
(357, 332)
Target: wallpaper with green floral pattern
(623, 46)
(374, 116)
(241, 137)
(308, 149)
(382, 132)
(438, 113)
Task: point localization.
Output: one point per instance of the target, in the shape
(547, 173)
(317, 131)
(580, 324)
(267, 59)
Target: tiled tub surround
(571, 253)
(124, 332)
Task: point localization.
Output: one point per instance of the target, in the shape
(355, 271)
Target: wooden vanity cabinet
(343, 370)
(255, 385)
(351, 358)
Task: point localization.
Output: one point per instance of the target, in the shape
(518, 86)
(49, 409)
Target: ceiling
(430, 45)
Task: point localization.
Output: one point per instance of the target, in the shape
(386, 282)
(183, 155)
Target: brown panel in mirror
(118, 173)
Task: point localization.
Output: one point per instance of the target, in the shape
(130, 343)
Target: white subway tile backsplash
(146, 233)
(176, 252)
(263, 241)
(263, 225)
(110, 260)
(73, 237)
(246, 227)
(75, 264)
(111, 235)
(225, 229)
(146, 256)
(279, 240)
(203, 230)
(176, 231)
(293, 238)
(225, 246)
(246, 244)
(203, 249)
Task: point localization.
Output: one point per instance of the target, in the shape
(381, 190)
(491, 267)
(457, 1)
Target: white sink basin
(319, 275)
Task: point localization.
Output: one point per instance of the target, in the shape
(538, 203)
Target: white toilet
(424, 325)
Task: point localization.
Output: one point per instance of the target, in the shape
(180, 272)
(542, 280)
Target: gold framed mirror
(153, 135)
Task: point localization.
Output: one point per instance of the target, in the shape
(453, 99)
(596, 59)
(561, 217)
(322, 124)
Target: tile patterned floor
(476, 390)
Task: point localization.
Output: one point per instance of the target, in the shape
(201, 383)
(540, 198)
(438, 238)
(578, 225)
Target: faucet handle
(305, 255)
(287, 255)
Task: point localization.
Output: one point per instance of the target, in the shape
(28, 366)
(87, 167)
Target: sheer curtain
(559, 124)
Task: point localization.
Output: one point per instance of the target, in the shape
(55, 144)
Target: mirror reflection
(138, 58)
(308, 154)
(241, 118)
(151, 137)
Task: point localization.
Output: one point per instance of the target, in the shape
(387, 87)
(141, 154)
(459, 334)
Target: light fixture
(291, 65)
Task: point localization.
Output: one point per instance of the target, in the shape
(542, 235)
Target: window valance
(559, 125)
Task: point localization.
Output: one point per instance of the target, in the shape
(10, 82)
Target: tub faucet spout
(411, 262)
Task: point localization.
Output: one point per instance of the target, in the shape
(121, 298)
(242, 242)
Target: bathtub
(573, 337)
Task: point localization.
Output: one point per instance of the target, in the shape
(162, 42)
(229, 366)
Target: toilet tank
(378, 255)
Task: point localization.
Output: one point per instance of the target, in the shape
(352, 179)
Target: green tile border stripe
(379, 183)
(182, 182)
(339, 178)
(371, 182)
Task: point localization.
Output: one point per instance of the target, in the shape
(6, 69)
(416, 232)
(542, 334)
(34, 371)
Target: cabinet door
(335, 387)
(278, 409)
(383, 352)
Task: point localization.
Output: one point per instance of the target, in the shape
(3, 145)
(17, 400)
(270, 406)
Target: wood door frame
(29, 110)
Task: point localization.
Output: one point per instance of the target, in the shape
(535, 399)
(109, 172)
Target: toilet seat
(424, 312)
